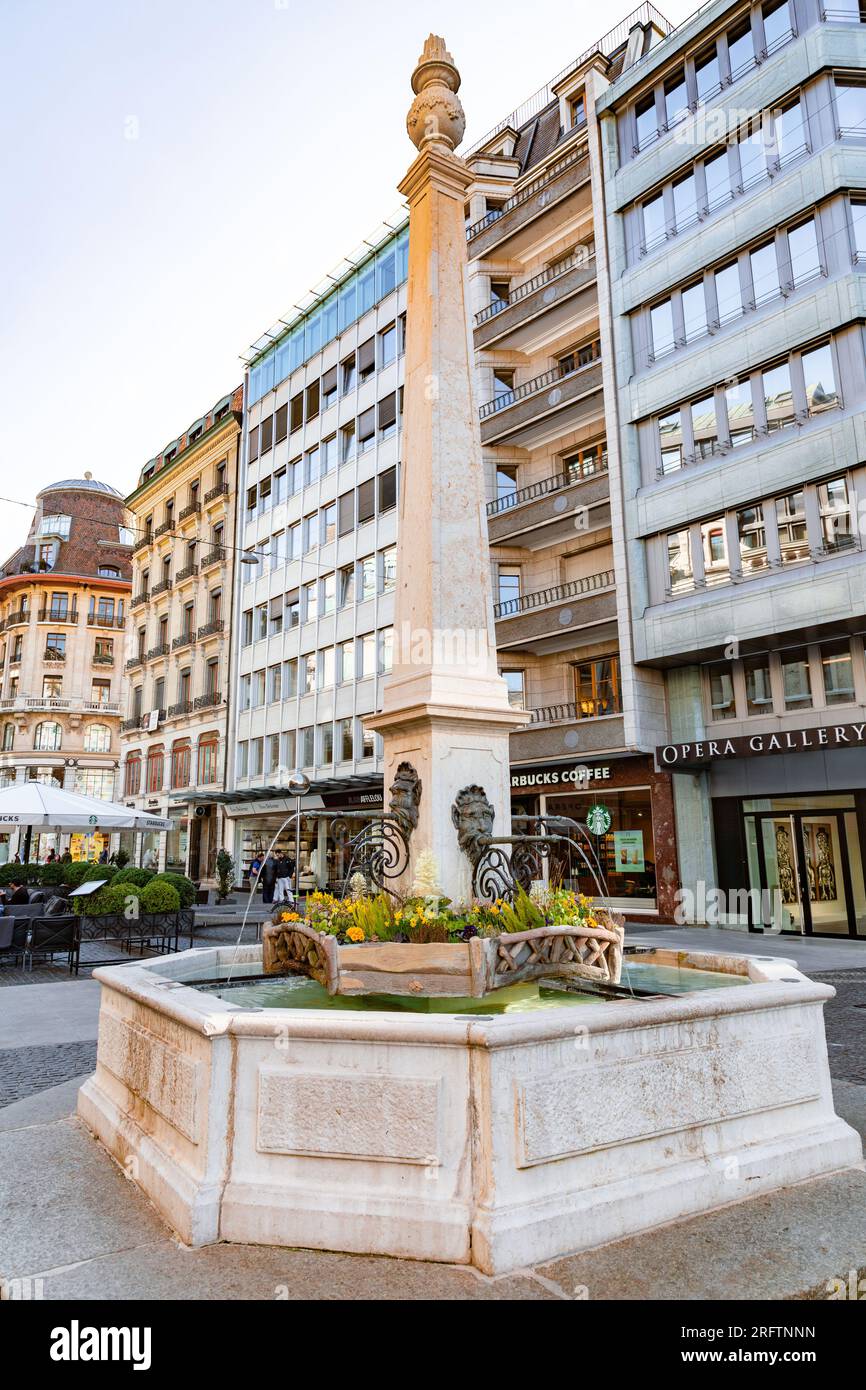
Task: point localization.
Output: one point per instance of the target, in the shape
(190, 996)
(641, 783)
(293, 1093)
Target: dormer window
(55, 525)
(577, 111)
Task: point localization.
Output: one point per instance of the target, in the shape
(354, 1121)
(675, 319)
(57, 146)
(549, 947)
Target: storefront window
(838, 673)
(759, 695)
(796, 679)
(626, 852)
(722, 703)
(176, 841)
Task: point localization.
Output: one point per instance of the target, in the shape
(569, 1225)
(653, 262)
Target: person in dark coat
(285, 869)
(16, 895)
(269, 879)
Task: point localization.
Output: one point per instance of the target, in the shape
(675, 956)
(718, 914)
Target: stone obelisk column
(445, 706)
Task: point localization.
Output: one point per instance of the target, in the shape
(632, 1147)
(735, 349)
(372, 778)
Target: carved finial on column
(436, 115)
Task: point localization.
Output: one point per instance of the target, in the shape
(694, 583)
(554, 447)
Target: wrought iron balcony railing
(528, 191)
(220, 490)
(214, 557)
(139, 599)
(161, 588)
(188, 572)
(192, 510)
(184, 639)
(105, 620)
(161, 649)
(575, 588)
(208, 700)
(208, 629)
(182, 707)
(538, 383)
(545, 277)
(590, 467)
(58, 615)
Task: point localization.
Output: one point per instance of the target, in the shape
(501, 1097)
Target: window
(646, 122)
(717, 176)
(752, 539)
(287, 748)
(180, 764)
(347, 442)
(208, 751)
(8, 737)
(577, 111)
(685, 202)
(715, 550)
(366, 429)
(273, 753)
(275, 683)
(368, 577)
(344, 746)
(257, 756)
(108, 572)
(292, 609)
(388, 345)
(95, 782)
(386, 650)
(387, 415)
(506, 484)
(681, 575)
(707, 75)
(721, 683)
(328, 523)
(267, 434)
(247, 628)
(803, 250)
(740, 412)
(791, 524)
(258, 689)
(596, 688)
(155, 769)
(387, 490)
(728, 296)
(55, 646)
(368, 655)
(778, 396)
(834, 506)
(347, 661)
(290, 678)
(311, 601)
(326, 743)
(741, 50)
(261, 621)
(328, 455)
(838, 670)
(796, 680)
(305, 747)
(55, 525)
(389, 569)
(820, 379)
(349, 374)
(858, 225)
(671, 441)
(704, 427)
(759, 693)
(311, 533)
(243, 759)
(662, 328)
(346, 585)
(765, 274)
(327, 667)
(132, 775)
(311, 465)
(97, 738)
(329, 593)
(694, 311)
(312, 400)
(676, 100)
(366, 740)
(654, 222)
(245, 691)
(752, 151)
(509, 588)
(329, 388)
(515, 683)
(296, 412)
(778, 28)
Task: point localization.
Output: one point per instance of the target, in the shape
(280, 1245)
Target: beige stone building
(64, 597)
(177, 660)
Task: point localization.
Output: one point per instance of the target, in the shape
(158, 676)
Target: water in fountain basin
(297, 992)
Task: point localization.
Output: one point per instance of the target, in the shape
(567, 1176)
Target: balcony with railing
(193, 509)
(546, 619)
(510, 321)
(566, 731)
(530, 202)
(58, 615)
(135, 661)
(112, 620)
(66, 704)
(163, 529)
(139, 599)
(188, 572)
(220, 490)
(183, 639)
(550, 510)
(17, 617)
(211, 629)
(213, 557)
(54, 655)
(163, 587)
(524, 413)
(161, 649)
(142, 542)
(209, 700)
(102, 659)
(180, 708)
(128, 725)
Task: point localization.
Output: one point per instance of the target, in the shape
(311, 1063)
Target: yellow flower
(355, 933)
(289, 917)
(495, 910)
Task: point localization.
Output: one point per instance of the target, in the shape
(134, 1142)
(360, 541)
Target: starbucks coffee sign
(703, 751)
(598, 819)
(576, 775)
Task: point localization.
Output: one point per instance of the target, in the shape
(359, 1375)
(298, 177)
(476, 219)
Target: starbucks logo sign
(598, 819)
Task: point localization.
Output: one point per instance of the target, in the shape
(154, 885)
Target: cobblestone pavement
(26, 1070)
(845, 1024)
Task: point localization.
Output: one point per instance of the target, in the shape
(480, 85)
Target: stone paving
(28, 1070)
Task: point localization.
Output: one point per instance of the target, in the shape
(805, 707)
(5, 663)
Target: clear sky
(176, 173)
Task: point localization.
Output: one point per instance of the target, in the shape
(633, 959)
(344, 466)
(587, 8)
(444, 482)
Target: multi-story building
(323, 435)
(736, 199)
(63, 603)
(178, 655)
(313, 629)
(536, 243)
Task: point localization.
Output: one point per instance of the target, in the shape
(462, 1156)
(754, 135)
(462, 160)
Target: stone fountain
(403, 1106)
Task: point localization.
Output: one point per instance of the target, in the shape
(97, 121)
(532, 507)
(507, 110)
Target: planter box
(461, 969)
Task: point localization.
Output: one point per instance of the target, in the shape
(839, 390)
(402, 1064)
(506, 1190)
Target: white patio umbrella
(39, 805)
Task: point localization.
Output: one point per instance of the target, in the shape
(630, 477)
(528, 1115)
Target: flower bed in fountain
(426, 945)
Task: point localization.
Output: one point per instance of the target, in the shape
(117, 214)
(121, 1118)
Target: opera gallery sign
(674, 755)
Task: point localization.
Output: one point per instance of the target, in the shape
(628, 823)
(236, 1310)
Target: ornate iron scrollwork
(380, 851)
(496, 873)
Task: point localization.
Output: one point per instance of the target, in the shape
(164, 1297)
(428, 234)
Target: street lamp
(298, 786)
